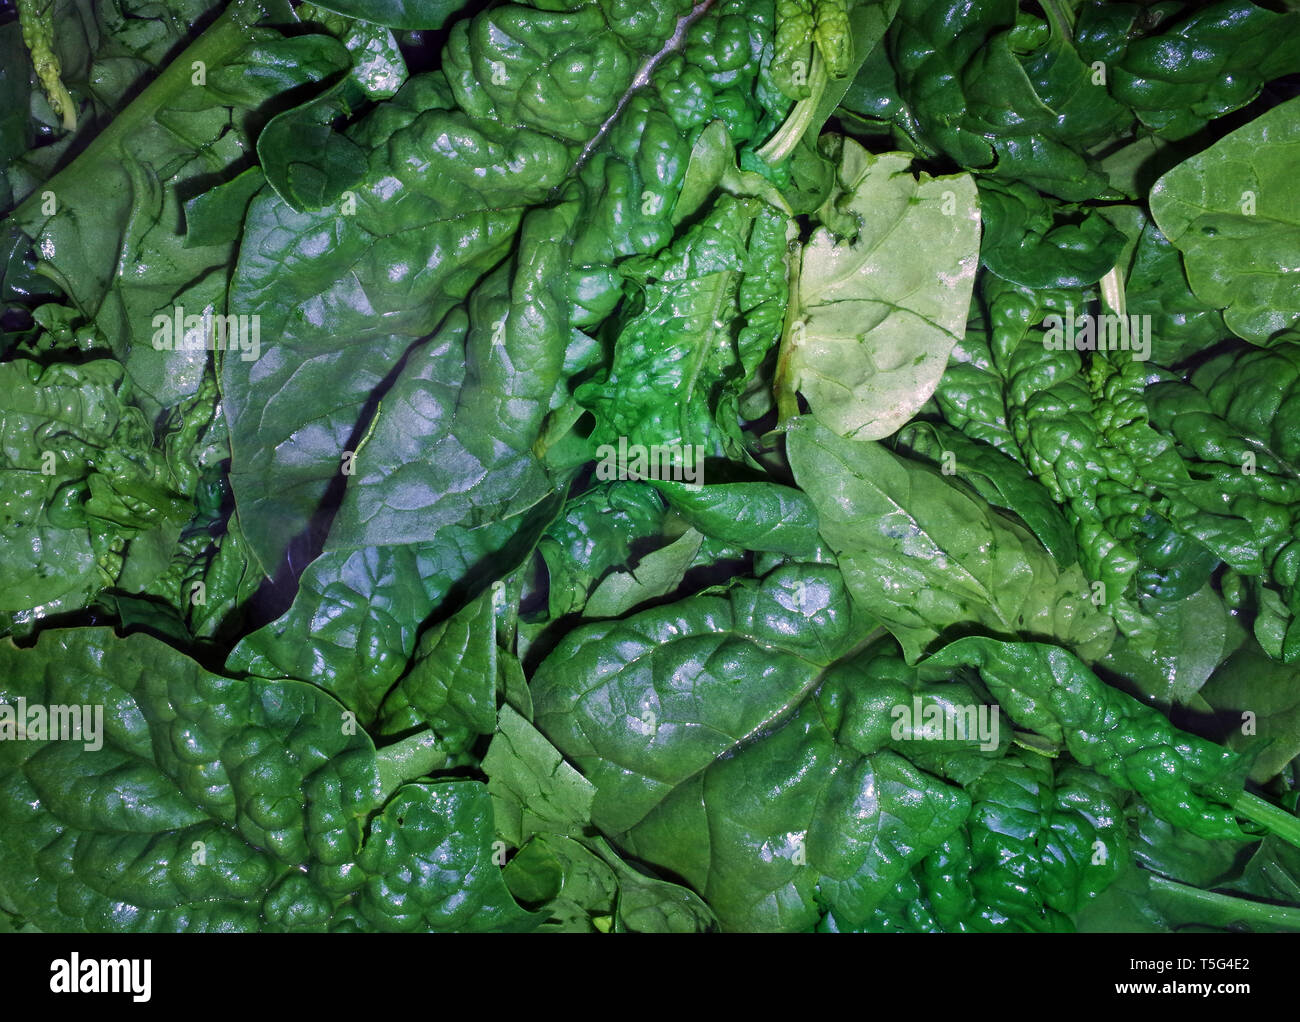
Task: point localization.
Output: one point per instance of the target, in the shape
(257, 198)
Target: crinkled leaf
(207, 803)
(1046, 689)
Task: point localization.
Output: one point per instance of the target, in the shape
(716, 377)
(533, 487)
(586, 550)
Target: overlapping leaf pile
(602, 466)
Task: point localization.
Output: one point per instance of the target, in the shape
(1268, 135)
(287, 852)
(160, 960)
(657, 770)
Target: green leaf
(446, 481)
(832, 36)
(1025, 245)
(1178, 854)
(928, 558)
(1261, 700)
(657, 574)
(356, 619)
(1181, 324)
(1020, 108)
(1192, 640)
(216, 216)
(1186, 780)
(453, 675)
(751, 515)
(189, 801)
(876, 316)
(999, 479)
(268, 413)
(15, 126)
(869, 20)
(309, 163)
(579, 888)
(819, 48)
(543, 805)
(1134, 168)
(81, 475)
(712, 310)
(1041, 841)
(1233, 214)
(1144, 902)
(649, 905)
(795, 818)
(599, 530)
(229, 582)
(534, 790)
(1213, 61)
(792, 59)
(643, 704)
(1273, 872)
(408, 14)
(378, 66)
(431, 865)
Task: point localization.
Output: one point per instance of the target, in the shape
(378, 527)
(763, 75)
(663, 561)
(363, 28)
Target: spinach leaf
(929, 559)
(1232, 213)
(873, 319)
(544, 806)
(197, 802)
(1189, 782)
(120, 203)
(398, 13)
(997, 478)
(1257, 696)
(681, 684)
(1027, 246)
(1211, 62)
(90, 499)
(446, 480)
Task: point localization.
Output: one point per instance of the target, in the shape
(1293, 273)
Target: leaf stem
(787, 404)
(1245, 909)
(782, 144)
(1061, 17)
(1274, 819)
(1112, 292)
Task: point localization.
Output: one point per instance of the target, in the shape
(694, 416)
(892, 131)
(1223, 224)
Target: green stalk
(782, 144)
(1061, 17)
(787, 404)
(1274, 819)
(1112, 292)
(1259, 913)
